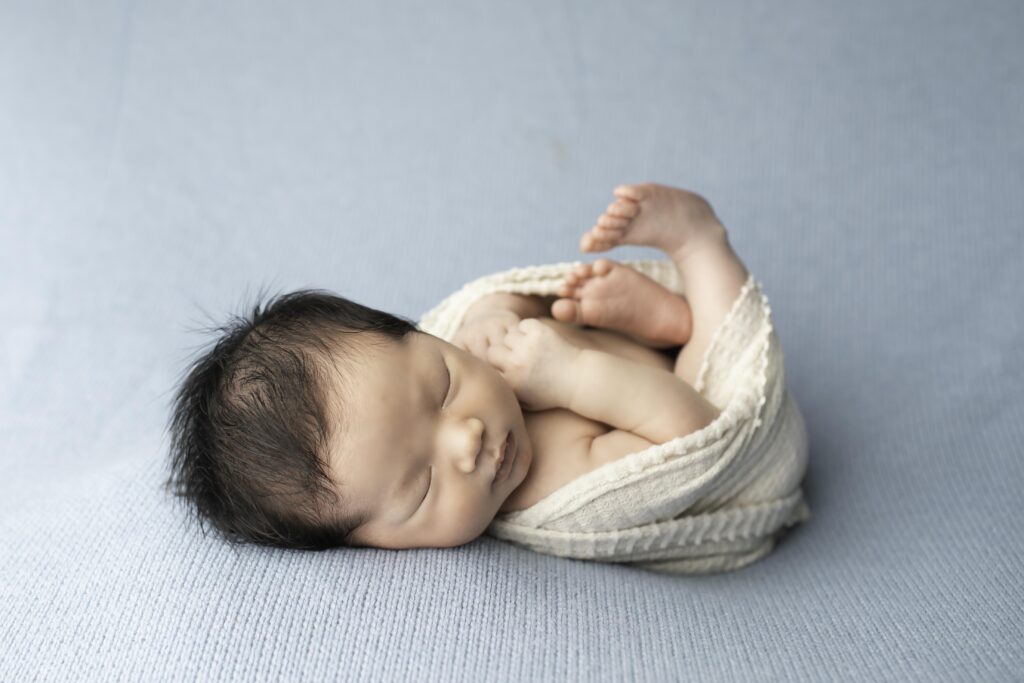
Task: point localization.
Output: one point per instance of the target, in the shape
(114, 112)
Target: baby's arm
(636, 397)
(548, 371)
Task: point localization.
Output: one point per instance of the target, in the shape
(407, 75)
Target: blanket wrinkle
(717, 499)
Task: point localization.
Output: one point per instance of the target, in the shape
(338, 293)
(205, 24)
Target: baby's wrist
(577, 367)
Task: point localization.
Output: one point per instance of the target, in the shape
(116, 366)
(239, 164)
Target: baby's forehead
(376, 405)
(354, 355)
(383, 376)
(408, 357)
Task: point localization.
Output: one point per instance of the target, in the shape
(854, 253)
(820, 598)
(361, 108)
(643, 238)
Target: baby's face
(424, 436)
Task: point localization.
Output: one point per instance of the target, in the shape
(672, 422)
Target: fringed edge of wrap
(710, 533)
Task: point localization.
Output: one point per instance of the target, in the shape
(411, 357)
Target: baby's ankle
(708, 235)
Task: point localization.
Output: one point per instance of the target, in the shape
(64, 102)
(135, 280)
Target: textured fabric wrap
(714, 500)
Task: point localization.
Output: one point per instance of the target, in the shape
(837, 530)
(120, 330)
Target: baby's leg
(684, 226)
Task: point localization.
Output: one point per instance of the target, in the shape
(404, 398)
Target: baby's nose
(473, 443)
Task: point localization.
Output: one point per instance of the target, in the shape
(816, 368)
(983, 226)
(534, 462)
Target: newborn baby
(319, 422)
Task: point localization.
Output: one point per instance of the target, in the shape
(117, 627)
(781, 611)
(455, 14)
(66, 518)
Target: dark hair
(253, 419)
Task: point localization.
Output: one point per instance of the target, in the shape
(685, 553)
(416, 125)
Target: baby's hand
(537, 362)
(482, 332)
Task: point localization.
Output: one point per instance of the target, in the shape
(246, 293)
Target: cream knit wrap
(714, 500)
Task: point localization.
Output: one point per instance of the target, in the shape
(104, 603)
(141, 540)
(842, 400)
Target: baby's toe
(623, 208)
(596, 242)
(565, 310)
(633, 192)
(603, 266)
(612, 222)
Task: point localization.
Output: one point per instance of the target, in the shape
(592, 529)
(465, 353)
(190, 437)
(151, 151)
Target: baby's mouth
(508, 456)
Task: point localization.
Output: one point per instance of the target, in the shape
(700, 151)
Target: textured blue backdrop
(163, 161)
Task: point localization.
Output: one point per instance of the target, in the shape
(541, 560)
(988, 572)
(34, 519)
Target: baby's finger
(479, 348)
(497, 354)
(513, 338)
(514, 342)
(495, 334)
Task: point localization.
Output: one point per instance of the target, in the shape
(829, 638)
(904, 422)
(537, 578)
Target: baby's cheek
(470, 523)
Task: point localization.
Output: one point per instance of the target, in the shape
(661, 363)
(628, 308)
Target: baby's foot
(674, 220)
(614, 296)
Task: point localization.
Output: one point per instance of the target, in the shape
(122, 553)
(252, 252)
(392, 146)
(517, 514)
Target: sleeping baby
(318, 422)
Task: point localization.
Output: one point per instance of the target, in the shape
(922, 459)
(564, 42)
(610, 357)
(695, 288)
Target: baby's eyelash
(444, 401)
(448, 391)
(430, 480)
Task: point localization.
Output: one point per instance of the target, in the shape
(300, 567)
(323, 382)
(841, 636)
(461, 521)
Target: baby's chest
(561, 452)
(562, 439)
